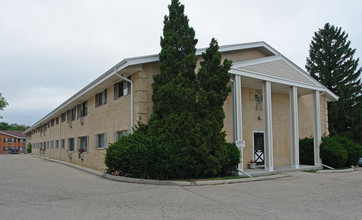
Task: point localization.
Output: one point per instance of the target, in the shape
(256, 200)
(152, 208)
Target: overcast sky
(51, 49)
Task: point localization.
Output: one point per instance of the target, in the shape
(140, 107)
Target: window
(57, 120)
(71, 144)
(9, 140)
(71, 114)
(83, 144)
(101, 98)
(52, 122)
(122, 89)
(57, 144)
(48, 146)
(62, 117)
(52, 144)
(82, 110)
(21, 140)
(62, 143)
(100, 140)
(119, 134)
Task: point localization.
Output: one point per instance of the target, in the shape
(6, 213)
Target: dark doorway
(259, 147)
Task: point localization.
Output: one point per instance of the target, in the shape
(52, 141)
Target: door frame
(258, 131)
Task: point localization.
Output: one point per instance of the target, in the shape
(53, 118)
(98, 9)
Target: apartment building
(273, 103)
(11, 139)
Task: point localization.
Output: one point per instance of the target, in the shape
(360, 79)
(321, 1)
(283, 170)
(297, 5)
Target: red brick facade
(9, 139)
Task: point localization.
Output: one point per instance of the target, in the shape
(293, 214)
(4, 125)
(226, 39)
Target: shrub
(354, 151)
(306, 151)
(333, 153)
(29, 148)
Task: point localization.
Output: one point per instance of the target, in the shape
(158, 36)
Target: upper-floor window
(57, 120)
(62, 117)
(101, 98)
(82, 109)
(52, 122)
(121, 89)
(71, 114)
(9, 140)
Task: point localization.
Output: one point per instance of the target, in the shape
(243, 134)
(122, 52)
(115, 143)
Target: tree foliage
(331, 62)
(184, 137)
(3, 102)
(12, 127)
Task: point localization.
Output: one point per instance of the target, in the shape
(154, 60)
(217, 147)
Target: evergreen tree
(331, 62)
(212, 78)
(174, 119)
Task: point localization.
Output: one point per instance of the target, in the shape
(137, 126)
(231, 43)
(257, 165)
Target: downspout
(132, 104)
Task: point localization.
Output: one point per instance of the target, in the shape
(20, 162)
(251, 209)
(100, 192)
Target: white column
(316, 128)
(239, 120)
(268, 128)
(294, 130)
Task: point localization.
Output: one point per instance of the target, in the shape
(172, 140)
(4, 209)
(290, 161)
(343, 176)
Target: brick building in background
(9, 139)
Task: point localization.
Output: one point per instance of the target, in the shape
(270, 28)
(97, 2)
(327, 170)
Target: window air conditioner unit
(70, 124)
(81, 120)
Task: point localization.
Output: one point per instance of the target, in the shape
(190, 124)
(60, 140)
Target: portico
(276, 77)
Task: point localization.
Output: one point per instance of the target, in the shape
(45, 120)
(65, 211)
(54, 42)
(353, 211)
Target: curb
(193, 183)
(165, 182)
(335, 171)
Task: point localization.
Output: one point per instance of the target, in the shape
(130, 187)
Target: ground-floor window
(100, 140)
(63, 143)
(71, 144)
(83, 144)
(119, 134)
(57, 144)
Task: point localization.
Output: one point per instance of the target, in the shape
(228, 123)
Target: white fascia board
(12, 135)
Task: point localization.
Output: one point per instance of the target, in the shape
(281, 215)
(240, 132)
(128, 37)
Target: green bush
(29, 148)
(306, 151)
(354, 151)
(145, 156)
(333, 153)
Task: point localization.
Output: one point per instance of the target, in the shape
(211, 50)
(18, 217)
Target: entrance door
(259, 147)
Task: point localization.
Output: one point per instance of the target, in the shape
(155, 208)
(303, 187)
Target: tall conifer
(213, 77)
(331, 62)
(174, 119)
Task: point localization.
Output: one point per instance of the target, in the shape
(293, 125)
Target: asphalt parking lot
(33, 188)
